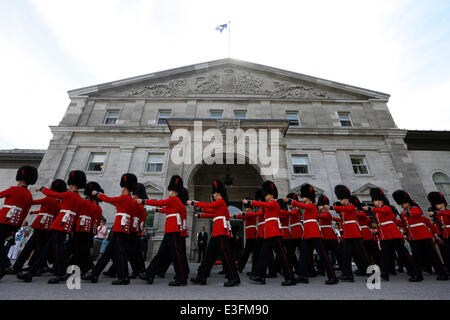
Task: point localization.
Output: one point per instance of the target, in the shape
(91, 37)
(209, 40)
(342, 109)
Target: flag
(221, 27)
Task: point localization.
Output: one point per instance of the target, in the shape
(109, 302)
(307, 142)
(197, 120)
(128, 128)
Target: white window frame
(111, 111)
(155, 152)
(216, 110)
(365, 163)
(91, 155)
(339, 113)
(309, 173)
(298, 117)
(159, 117)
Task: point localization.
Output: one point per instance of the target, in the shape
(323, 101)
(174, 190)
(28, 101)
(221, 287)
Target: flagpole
(229, 39)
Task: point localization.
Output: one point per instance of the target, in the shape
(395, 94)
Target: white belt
(67, 215)
(416, 225)
(385, 223)
(326, 226)
(135, 222)
(350, 221)
(447, 226)
(365, 227)
(310, 220)
(260, 223)
(252, 226)
(125, 218)
(277, 219)
(297, 224)
(175, 215)
(225, 224)
(83, 219)
(13, 210)
(44, 217)
(283, 227)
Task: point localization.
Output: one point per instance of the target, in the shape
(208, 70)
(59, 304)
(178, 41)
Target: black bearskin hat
(184, 196)
(59, 185)
(28, 174)
(140, 191)
(293, 196)
(219, 187)
(270, 188)
(283, 205)
(307, 191)
(129, 181)
(355, 201)
(378, 194)
(323, 200)
(77, 178)
(176, 184)
(91, 186)
(436, 198)
(401, 196)
(259, 195)
(342, 192)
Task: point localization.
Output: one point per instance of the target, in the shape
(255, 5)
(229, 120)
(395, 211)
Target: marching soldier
(369, 239)
(117, 247)
(441, 215)
(312, 238)
(251, 233)
(220, 241)
(419, 236)
(44, 217)
(171, 247)
(15, 208)
(391, 238)
(63, 225)
(296, 231)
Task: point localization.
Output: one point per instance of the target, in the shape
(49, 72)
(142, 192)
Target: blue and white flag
(221, 27)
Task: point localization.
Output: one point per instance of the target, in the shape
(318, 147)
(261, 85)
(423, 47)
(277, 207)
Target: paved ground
(397, 288)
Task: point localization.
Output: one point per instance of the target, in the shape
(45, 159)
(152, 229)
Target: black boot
(346, 278)
(302, 280)
(13, 271)
(332, 281)
(231, 283)
(89, 276)
(58, 279)
(198, 280)
(258, 279)
(177, 283)
(25, 276)
(442, 277)
(122, 281)
(289, 282)
(416, 278)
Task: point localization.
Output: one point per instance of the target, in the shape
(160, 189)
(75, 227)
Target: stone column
(332, 169)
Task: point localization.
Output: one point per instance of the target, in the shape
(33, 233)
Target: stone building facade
(330, 133)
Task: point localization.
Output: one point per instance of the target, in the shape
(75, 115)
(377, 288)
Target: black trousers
(5, 231)
(55, 247)
(201, 252)
(423, 250)
(170, 249)
(291, 253)
(249, 249)
(446, 254)
(388, 249)
(308, 245)
(117, 251)
(164, 265)
(81, 256)
(135, 254)
(353, 247)
(218, 246)
(373, 251)
(269, 245)
(332, 245)
(34, 245)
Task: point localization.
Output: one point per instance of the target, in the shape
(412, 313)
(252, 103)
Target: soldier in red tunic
(15, 208)
(61, 227)
(391, 238)
(296, 231)
(117, 248)
(312, 238)
(220, 240)
(44, 217)
(419, 236)
(441, 215)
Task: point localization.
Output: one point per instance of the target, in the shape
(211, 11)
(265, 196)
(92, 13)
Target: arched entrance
(246, 179)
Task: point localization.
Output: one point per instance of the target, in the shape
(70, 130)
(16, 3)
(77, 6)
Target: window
(215, 114)
(240, 114)
(300, 164)
(111, 117)
(163, 115)
(344, 118)
(442, 182)
(292, 116)
(96, 161)
(155, 162)
(359, 164)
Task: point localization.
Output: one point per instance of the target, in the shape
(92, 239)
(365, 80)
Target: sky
(48, 47)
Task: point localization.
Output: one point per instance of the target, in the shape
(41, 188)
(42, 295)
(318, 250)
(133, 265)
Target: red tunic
(417, 229)
(365, 224)
(260, 222)
(444, 218)
(310, 219)
(97, 217)
(85, 217)
(350, 225)
(284, 220)
(16, 206)
(251, 230)
(138, 223)
(219, 214)
(388, 228)
(295, 224)
(272, 225)
(69, 209)
(326, 227)
(46, 214)
(125, 207)
(173, 210)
